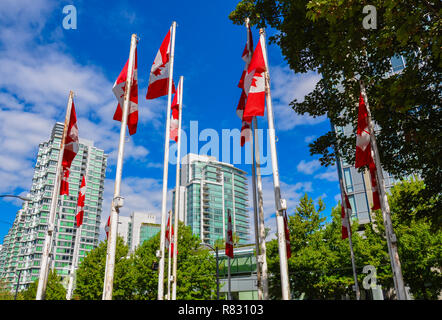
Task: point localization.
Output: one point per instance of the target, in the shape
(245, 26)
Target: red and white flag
(71, 146)
(80, 203)
(246, 132)
(119, 90)
(345, 216)
(246, 56)
(364, 154)
(363, 148)
(374, 186)
(287, 236)
(107, 228)
(254, 84)
(169, 234)
(159, 73)
(174, 121)
(229, 238)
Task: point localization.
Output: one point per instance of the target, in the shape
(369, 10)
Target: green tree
(5, 291)
(135, 277)
(320, 264)
(90, 274)
(419, 243)
(195, 268)
(328, 37)
(54, 289)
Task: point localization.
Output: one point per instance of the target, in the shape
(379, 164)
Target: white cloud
(308, 167)
(35, 80)
(286, 86)
(329, 175)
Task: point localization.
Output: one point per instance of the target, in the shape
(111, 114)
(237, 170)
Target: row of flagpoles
(255, 94)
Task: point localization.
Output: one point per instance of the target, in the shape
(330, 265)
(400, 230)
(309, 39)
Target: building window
(348, 180)
(397, 63)
(352, 201)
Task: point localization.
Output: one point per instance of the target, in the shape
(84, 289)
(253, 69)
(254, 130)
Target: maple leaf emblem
(159, 70)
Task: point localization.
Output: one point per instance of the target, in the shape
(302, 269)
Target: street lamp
(217, 267)
(13, 196)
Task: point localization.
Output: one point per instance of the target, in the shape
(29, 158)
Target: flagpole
(44, 270)
(117, 201)
(255, 215)
(177, 191)
(262, 259)
(70, 288)
(169, 255)
(255, 205)
(229, 241)
(165, 170)
(390, 235)
(279, 202)
(350, 233)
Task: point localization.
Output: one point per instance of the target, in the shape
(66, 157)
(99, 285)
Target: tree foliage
(328, 37)
(136, 279)
(54, 289)
(5, 291)
(90, 273)
(320, 264)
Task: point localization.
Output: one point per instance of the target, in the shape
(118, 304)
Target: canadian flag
(71, 146)
(119, 90)
(107, 228)
(169, 235)
(80, 203)
(229, 238)
(174, 121)
(363, 148)
(287, 236)
(254, 85)
(364, 154)
(374, 185)
(246, 132)
(246, 56)
(345, 214)
(159, 73)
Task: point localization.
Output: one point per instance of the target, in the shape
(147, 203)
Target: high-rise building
(137, 228)
(209, 189)
(22, 246)
(357, 184)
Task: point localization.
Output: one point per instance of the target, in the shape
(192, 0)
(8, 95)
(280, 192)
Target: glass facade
(24, 242)
(148, 231)
(212, 189)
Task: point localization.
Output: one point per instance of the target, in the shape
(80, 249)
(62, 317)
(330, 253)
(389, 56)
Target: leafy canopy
(328, 37)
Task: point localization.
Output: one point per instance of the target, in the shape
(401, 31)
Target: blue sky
(40, 62)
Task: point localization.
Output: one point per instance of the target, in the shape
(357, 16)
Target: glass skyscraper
(22, 246)
(209, 190)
